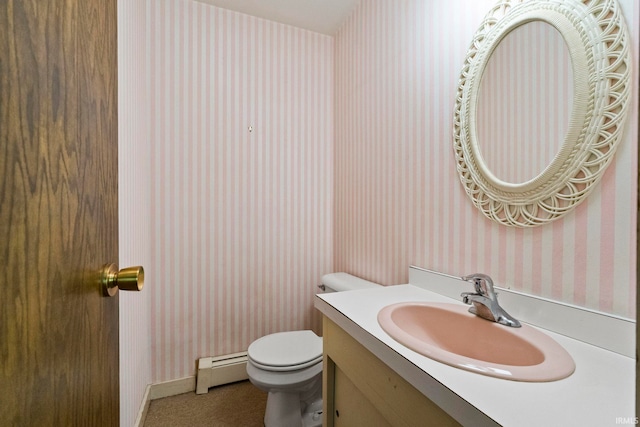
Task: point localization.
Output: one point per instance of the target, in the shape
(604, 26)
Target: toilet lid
(284, 351)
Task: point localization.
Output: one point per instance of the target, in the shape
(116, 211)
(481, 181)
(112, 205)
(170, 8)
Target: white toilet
(288, 365)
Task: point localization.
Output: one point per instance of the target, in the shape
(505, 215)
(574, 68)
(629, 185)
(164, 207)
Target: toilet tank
(338, 282)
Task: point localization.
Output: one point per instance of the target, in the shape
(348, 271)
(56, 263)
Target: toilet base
(285, 410)
(295, 397)
(313, 415)
(302, 408)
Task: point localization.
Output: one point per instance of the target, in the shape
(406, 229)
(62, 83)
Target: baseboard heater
(213, 371)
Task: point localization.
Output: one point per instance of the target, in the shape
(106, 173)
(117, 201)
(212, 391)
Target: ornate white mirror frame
(598, 42)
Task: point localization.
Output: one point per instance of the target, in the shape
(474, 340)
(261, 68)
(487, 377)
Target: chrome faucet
(485, 301)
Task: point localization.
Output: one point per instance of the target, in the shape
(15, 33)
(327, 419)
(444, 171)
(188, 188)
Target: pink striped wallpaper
(134, 173)
(398, 200)
(255, 157)
(241, 180)
(226, 184)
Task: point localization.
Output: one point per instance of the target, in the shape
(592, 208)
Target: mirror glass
(524, 102)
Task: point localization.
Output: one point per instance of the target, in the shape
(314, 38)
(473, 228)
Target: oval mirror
(552, 184)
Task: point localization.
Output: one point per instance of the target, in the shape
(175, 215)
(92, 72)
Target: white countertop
(599, 391)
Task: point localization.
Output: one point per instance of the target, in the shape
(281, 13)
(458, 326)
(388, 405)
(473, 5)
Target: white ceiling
(322, 16)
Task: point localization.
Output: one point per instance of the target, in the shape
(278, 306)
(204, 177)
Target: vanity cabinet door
(351, 407)
(360, 390)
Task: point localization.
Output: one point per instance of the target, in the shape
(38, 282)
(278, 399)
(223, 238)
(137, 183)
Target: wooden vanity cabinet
(360, 390)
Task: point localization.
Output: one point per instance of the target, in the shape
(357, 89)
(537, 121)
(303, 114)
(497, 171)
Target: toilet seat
(286, 351)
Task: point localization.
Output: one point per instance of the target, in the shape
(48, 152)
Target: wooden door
(58, 212)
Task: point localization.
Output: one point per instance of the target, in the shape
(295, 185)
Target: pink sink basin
(450, 334)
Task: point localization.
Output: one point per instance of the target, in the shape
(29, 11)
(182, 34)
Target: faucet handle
(465, 297)
(482, 283)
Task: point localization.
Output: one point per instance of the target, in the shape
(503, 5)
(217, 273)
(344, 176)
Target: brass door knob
(127, 279)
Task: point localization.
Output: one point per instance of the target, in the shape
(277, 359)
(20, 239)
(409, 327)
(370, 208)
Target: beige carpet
(231, 405)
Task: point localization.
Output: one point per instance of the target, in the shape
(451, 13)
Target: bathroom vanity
(370, 379)
(363, 391)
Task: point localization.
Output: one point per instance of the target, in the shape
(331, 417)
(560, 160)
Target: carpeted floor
(231, 405)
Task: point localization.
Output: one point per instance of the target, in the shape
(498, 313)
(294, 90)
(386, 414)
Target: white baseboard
(172, 388)
(160, 390)
(212, 371)
(144, 408)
